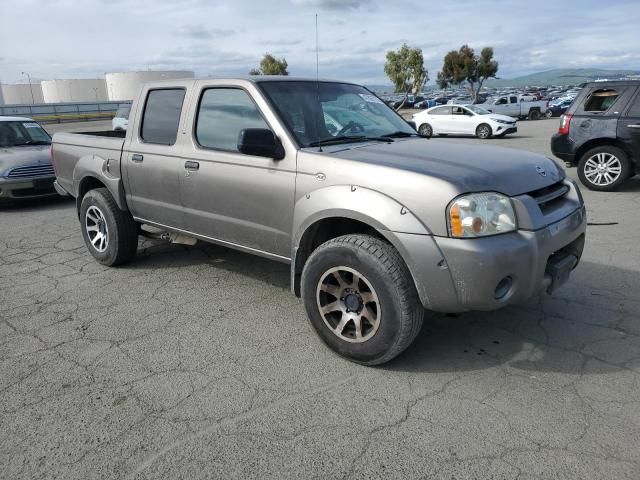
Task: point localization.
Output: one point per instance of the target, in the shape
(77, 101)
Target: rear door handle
(191, 165)
(136, 157)
(637, 125)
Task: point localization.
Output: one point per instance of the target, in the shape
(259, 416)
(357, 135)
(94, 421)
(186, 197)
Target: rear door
(440, 119)
(151, 157)
(629, 127)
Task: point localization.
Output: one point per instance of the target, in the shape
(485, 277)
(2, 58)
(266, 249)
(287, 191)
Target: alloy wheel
(602, 169)
(348, 304)
(97, 229)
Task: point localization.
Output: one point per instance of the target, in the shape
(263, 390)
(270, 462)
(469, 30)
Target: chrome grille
(45, 170)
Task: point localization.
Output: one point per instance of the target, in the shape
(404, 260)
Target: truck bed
(88, 147)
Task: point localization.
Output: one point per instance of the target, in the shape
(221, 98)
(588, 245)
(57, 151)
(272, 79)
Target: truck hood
(469, 168)
(12, 157)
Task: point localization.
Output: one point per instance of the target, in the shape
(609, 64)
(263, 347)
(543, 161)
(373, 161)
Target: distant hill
(561, 76)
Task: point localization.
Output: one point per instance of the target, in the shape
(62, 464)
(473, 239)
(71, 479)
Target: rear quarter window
(601, 100)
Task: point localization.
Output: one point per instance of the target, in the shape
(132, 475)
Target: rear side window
(441, 111)
(601, 100)
(222, 113)
(162, 116)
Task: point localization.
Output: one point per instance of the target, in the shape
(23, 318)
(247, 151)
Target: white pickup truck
(517, 106)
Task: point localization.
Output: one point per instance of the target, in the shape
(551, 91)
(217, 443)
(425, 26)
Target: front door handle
(136, 157)
(637, 125)
(191, 165)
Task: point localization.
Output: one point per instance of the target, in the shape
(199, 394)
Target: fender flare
(377, 210)
(106, 171)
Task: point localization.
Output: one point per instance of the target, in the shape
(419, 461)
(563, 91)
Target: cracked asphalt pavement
(197, 362)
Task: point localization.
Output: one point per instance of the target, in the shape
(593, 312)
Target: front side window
(601, 100)
(222, 114)
(161, 116)
(316, 112)
(22, 133)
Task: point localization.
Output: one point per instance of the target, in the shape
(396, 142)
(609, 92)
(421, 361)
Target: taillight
(53, 162)
(565, 124)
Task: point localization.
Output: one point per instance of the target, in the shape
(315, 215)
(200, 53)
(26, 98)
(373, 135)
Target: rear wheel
(604, 168)
(360, 299)
(483, 131)
(425, 130)
(111, 235)
(534, 115)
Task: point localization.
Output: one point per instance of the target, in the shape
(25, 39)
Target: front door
(229, 196)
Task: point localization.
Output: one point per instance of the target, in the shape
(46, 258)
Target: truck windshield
(18, 134)
(330, 112)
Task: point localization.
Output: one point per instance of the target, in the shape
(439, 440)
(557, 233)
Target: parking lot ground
(197, 362)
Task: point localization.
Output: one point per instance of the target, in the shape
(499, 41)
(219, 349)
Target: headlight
(500, 121)
(480, 215)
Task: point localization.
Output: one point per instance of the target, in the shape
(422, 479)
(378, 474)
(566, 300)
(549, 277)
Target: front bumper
(469, 274)
(24, 188)
(505, 130)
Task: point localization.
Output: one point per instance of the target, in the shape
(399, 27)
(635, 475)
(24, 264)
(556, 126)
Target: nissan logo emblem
(541, 171)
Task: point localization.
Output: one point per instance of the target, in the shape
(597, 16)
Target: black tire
(585, 168)
(548, 114)
(122, 231)
(483, 131)
(534, 114)
(425, 130)
(398, 307)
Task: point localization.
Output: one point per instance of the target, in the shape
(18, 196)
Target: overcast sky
(86, 38)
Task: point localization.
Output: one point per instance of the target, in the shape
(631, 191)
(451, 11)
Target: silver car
(25, 160)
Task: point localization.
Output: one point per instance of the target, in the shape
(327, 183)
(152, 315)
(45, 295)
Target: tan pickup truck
(377, 222)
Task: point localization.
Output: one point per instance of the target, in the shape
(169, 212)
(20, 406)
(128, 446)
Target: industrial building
(123, 86)
(118, 86)
(21, 93)
(74, 90)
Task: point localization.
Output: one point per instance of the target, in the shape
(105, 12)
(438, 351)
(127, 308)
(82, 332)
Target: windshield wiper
(399, 134)
(348, 139)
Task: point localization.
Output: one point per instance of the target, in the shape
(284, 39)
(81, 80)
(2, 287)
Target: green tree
(270, 65)
(464, 66)
(405, 68)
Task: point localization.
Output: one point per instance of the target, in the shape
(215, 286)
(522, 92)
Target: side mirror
(260, 142)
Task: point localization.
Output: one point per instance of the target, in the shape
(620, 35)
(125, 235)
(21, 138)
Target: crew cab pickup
(517, 106)
(377, 222)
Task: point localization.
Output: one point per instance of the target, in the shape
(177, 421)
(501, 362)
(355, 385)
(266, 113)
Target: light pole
(95, 90)
(33, 101)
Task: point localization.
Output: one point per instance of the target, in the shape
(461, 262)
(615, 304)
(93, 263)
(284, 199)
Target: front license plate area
(559, 269)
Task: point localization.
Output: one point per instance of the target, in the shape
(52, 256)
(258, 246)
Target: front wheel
(604, 168)
(110, 234)
(483, 131)
(425, 130)
(548, 114)
(360, 299)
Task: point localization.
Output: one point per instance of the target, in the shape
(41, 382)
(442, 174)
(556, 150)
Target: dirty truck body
(377, 222)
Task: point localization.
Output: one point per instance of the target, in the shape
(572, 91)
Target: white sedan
(463, 120)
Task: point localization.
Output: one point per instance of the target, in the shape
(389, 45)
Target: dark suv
(600, 134)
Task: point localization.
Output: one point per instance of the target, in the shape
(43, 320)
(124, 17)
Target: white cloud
(95, 36)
